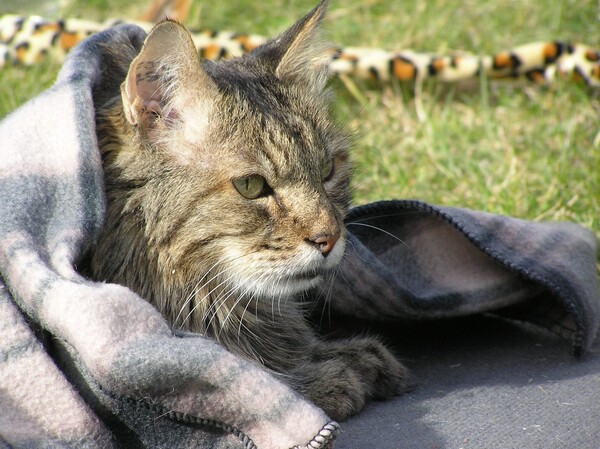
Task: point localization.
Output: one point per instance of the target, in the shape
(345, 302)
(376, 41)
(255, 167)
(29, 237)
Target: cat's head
(243, 177)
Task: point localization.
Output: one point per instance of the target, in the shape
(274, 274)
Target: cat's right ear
(299, 56)
(155, 88)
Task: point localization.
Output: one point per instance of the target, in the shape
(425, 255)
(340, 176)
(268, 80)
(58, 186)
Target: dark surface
(484, 382)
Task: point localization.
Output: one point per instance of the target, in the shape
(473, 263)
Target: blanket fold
(420, 261)
(105, 362)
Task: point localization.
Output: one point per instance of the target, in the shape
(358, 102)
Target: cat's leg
(341, 376)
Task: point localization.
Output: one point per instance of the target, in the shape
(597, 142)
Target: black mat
(485, 383)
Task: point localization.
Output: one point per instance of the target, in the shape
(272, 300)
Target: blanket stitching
(325, 435)
(181, 416)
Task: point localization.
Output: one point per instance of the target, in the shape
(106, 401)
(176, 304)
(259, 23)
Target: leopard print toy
(27, 40)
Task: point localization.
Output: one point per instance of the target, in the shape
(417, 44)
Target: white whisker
(378, 229)
(237, 301)
(397, 214)
(208, 295)
(197, 288)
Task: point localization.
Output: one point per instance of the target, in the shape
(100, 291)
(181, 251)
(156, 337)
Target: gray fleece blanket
(85, 364)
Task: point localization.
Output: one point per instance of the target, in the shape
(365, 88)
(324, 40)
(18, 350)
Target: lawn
(501, 146)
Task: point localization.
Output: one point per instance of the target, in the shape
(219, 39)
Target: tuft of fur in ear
(299, 55)
(157, 85)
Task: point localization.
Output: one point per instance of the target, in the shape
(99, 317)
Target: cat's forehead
(244, 83)
(260, 120)
(289, 143)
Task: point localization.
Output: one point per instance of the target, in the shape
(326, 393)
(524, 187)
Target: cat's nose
(325, 242)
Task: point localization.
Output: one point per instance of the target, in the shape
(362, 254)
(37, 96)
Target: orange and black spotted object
(403, 69)
(27, 40)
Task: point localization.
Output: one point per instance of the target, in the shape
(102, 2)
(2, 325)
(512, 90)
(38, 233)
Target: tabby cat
(227, 186)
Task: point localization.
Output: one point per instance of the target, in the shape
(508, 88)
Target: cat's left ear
(299, 55)
(156, 89)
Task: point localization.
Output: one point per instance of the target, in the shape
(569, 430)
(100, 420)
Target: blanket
(86, 364)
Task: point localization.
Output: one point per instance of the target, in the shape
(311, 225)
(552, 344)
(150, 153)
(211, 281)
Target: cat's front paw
(345, 375)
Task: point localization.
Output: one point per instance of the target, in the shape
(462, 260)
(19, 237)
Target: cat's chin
(292, 287)
(282, 286)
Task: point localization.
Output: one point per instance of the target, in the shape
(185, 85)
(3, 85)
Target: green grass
(504, 147)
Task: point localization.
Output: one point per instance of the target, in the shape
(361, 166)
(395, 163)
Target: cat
(227, 184)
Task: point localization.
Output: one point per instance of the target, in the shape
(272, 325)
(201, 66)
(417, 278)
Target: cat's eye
(251, 187)
(327, 170)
